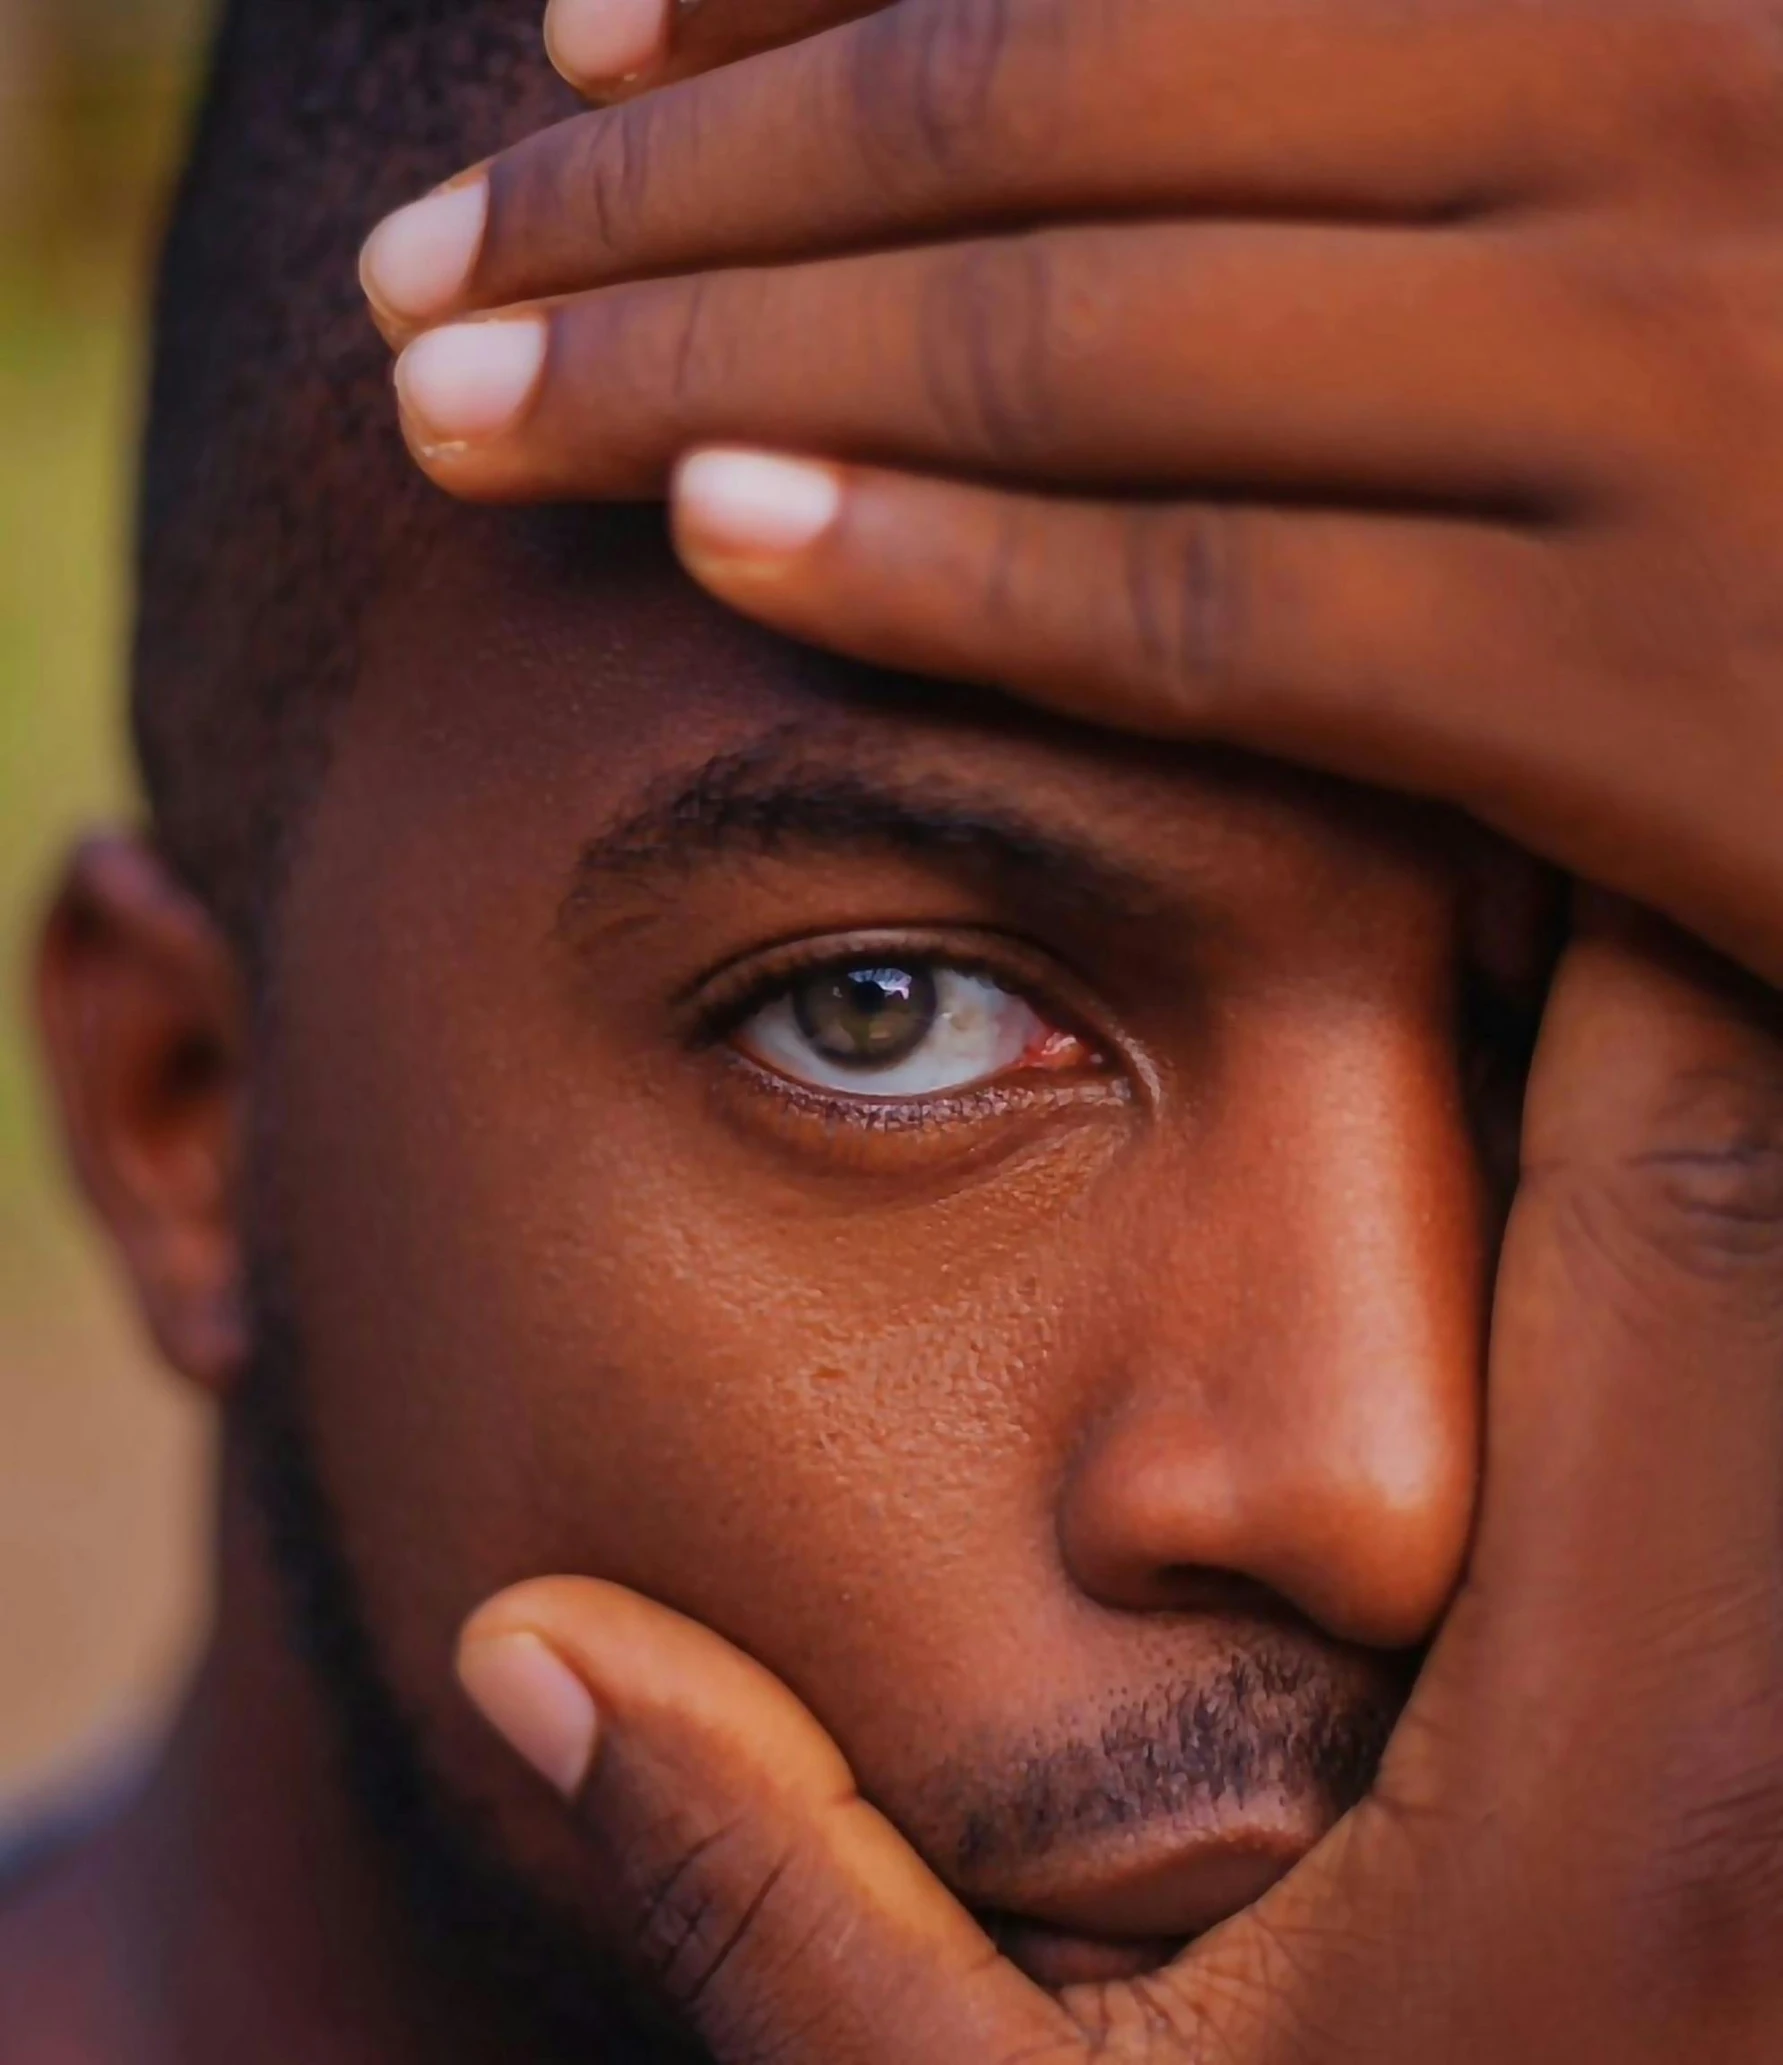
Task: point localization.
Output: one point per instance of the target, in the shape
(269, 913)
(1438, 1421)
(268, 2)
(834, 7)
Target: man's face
(994, 1222)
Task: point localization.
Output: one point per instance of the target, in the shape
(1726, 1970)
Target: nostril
(1146, 1516)
(1195, 1589)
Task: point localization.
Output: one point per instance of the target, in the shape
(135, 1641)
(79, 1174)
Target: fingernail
(598, 42)
(753, 505)
(417, 261)
(535, 1702)
(470, 380)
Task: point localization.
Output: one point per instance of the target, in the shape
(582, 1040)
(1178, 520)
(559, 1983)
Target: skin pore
(1092, 1447)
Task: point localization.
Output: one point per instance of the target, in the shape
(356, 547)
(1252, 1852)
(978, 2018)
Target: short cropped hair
(275, 490)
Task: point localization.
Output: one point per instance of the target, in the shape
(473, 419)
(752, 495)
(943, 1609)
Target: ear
(142, 1017)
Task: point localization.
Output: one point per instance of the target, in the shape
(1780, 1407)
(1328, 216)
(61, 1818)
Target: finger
(1179, 620)
(606, 48)
(1638, 1353)
(755, 1889)
(1444, 367)
(1601, 1722)
(1478, 662)
(939, 114)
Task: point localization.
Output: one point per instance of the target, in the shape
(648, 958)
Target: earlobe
(142, 1017)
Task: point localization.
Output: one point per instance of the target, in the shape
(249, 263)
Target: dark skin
(1442, 340)
(991, 1423)
(1525, 567)
(1092, 1385)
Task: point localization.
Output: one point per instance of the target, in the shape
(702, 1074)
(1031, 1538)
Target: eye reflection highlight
(885, 1029)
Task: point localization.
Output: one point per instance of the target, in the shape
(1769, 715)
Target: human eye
(891, 1027)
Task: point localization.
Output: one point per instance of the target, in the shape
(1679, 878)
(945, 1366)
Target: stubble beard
(552, 1993)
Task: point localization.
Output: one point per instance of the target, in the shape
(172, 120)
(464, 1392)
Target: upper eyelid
(724, 999)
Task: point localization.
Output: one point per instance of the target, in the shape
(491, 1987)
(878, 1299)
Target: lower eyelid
(999, 1095)
(976, 1103)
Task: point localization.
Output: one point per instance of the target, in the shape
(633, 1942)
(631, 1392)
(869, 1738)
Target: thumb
(759, 1894)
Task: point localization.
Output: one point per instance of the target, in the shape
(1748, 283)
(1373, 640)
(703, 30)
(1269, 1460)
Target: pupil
(866, 1017)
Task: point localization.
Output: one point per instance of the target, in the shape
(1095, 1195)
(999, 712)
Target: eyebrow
(765, 800)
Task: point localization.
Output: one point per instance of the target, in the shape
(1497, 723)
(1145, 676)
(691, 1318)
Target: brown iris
(866, 1017)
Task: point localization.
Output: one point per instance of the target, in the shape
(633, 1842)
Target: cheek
(559, 1319)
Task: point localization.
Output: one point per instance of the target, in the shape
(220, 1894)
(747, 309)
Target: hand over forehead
(1392, 390)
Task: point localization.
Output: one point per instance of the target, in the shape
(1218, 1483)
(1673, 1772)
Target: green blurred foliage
(93, 100)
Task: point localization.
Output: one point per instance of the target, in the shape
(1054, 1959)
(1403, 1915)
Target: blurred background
(101, 1456)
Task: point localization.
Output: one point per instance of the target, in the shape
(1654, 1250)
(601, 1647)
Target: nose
(1302, 1411)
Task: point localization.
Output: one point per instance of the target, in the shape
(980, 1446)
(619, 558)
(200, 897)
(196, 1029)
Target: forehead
(545, 680)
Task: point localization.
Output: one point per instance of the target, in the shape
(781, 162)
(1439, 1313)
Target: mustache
(1276, 1717)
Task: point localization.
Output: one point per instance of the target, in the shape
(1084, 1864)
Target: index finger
(935, 116)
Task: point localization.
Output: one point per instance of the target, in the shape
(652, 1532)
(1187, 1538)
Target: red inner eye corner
(1052, 1047)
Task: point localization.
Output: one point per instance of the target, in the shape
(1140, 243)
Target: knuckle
(1700, 1196)
(703, 354)
(924, 83)
(1015, 556)
(1712, 1172)
(699, 1912)
(1729, 1850)
(984, 337)
(1154, 2021)
(1713, 104)
(1702, 1902)
(609, 178)
(1643, 1227)
(1181, 600)
(664, 349)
